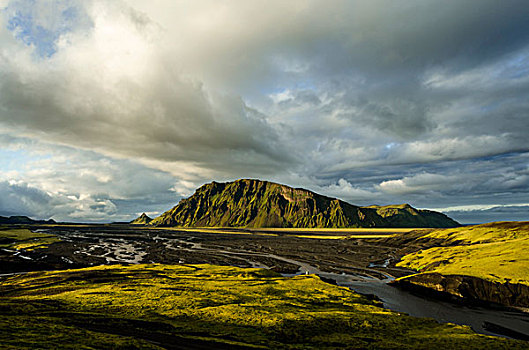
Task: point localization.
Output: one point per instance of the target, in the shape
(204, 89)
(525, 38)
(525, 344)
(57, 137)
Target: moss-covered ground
(21, 238)
(173, 306)
(495, 252)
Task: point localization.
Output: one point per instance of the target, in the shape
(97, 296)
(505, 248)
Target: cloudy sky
(112, 108)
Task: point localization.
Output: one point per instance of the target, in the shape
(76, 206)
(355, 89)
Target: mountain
(404, 215)
(143, 219)
(255, 203)
(23, 220)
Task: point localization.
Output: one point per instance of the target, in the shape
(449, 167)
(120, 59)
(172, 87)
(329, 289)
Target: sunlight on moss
(217, 304)
(494, 252)
(25, 239)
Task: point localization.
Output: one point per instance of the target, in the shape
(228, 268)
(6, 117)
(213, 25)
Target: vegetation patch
(319, 233)
(321, 236)
(25, 239)
(145, 306)
(494, 252)
(226, 231)
(343, 237)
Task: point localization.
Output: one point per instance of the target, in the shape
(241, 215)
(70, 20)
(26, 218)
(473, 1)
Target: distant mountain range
(255, 203)
(23, 220)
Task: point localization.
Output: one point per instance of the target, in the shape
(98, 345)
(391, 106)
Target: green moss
(25, 239)
(495, 252)
(43, 332)
(249, 307)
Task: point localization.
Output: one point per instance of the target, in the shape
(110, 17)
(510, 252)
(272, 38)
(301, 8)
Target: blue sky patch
(41, 24)
(17, 159)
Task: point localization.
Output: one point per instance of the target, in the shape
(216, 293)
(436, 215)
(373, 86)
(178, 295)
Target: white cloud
(282, 96)
(345, 190)
(420, 183)
(479, 207)
(73, 184)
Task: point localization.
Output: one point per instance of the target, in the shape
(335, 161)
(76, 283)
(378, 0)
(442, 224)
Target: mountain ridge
(21, 219)
(255, 203)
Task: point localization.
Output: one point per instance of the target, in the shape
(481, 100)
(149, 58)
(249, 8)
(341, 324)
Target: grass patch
(343, 237)
(321, 236)
(226, 306)
(227, 231)
(495, 252)
(25, 239)
(341, 230)
(316, 233)
(369, 236)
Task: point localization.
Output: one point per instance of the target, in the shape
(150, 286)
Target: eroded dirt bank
(467, 289)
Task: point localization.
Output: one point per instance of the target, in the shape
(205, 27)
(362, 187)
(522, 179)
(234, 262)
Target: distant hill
(255, 203)
(404, 215)
(143, 219)
(23, 220)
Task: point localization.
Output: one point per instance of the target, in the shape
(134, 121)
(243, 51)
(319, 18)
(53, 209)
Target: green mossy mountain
(143, 219)
(255, 203)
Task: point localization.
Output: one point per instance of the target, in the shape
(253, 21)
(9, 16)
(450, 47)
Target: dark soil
(85, 246)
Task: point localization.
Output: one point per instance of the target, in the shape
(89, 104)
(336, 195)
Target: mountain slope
(143, 219)
(404, 215)
(255, 203)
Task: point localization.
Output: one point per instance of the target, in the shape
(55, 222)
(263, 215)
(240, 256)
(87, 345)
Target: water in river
(402, 301)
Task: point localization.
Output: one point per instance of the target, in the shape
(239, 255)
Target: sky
(113, 108)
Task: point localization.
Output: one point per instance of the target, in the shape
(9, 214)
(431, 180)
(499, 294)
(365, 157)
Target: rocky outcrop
(467, 288)
(255, 203)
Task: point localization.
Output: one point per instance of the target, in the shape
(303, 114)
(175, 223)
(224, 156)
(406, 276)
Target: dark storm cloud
(410, 35)
(19, 199)
(175, 121)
